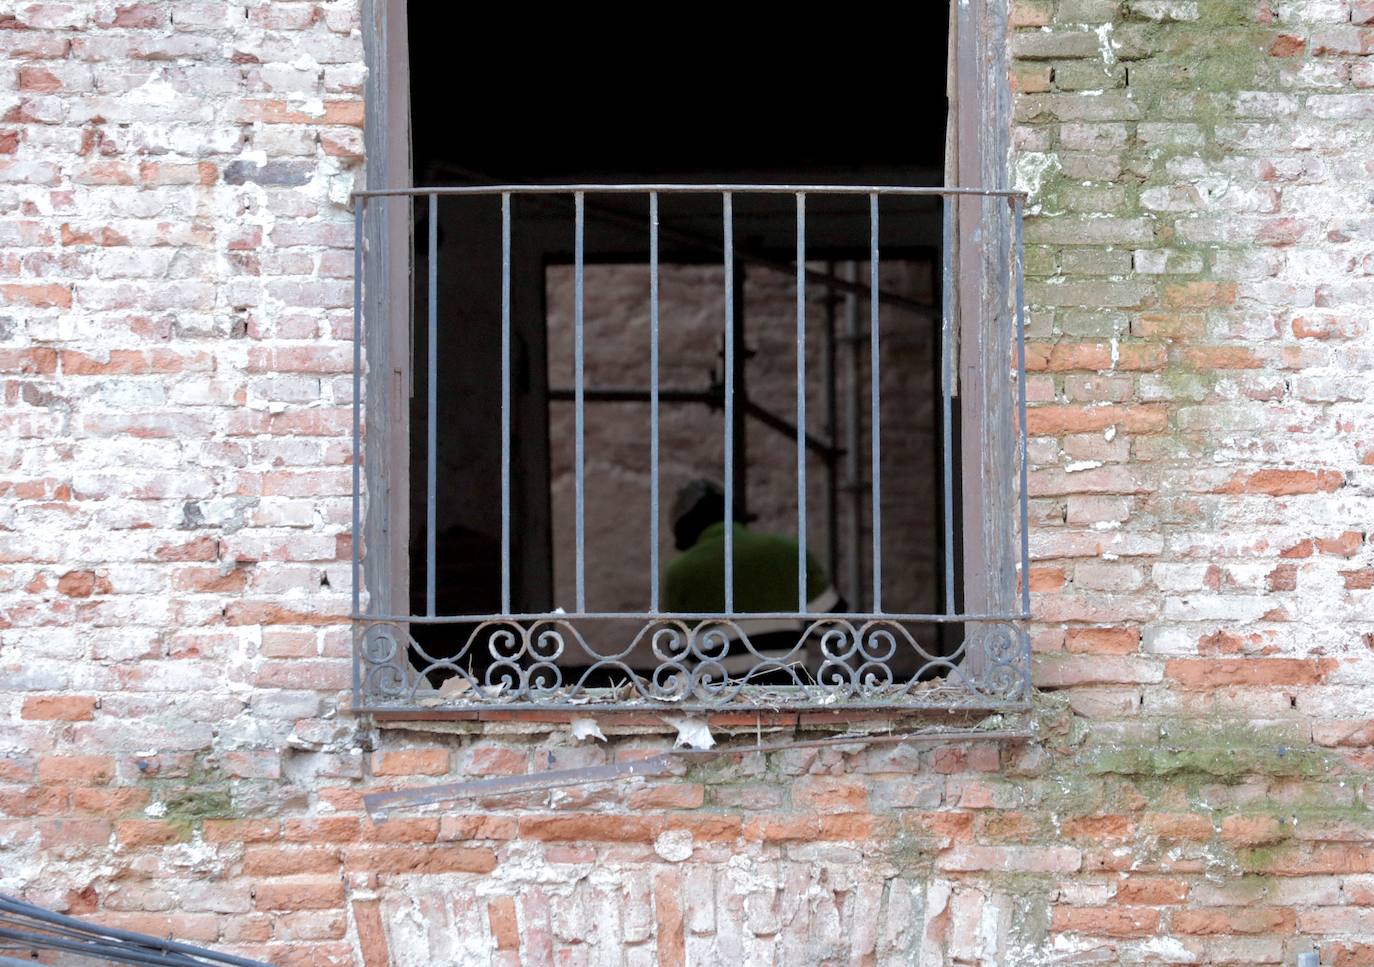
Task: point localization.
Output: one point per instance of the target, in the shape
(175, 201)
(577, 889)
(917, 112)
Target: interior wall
(617, 341)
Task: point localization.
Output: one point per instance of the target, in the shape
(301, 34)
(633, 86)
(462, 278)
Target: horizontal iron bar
(832, 281)
(711, 397)
(630, 394)
(683, 616)
(655, 765)
(682, 189)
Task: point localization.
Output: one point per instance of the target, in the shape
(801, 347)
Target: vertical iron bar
(875, 426)
(432, 413)
(653, 402)
(852, 457)
(802, 597)
(505, 403)
(946, 390)
(579, 203)
(727, 215)
(740, 430)
(832, 468)
(359, 205)
(1020, 264)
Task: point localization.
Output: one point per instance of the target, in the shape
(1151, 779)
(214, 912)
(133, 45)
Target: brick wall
(174, 752)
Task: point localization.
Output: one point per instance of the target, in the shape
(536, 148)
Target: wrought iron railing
(839, 660)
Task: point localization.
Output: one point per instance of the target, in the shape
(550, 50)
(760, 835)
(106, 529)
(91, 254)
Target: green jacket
(765, 574)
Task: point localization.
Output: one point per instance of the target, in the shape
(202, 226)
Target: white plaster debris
(1031, 170)
(691, 733)
(586, 729)
(1106, 44)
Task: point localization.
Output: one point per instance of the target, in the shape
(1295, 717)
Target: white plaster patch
(674, 845)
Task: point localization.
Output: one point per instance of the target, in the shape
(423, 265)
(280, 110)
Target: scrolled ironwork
(711, 664)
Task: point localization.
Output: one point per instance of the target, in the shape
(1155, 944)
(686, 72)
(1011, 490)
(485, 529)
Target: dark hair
(708, 509)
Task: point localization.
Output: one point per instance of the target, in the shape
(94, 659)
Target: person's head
(698, 505)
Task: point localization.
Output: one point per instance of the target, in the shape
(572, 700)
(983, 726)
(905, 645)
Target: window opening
(499, 536)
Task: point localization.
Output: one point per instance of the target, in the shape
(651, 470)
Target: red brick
(135, 833)
(1099, 829)
(411, 762)
(37, 361)
(401, 831)
(613, 828)
(299, 893)
(39, 80)
(82, 584)
(781, 828)
(1192, 827)
(496, 762)
(460, 827)
(193, 927)
(281, 112)
(1346, 544)
(1200, 294)
(1234, 920)
(1287, 45)
(1123, 921)
(829, 794)
(419, 859)
(678, 795)
(505, 926)
(1252, 830)
(669, 937)
(1284, 483)
(85, 770)
(1046, 579)
(1358, 580)
(239, 830)
(1102, 641)
(55, 833)
(322, 829)
(705, 827)
(1093, 357)
(1011, 859)
(1057, 420)
(62, 708)
(110, 801)
(277, 861)
(1151, 891)
(46, 296)
(372, 944)
(1212, 673)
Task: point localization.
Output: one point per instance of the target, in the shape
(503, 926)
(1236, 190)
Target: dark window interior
(741, 104)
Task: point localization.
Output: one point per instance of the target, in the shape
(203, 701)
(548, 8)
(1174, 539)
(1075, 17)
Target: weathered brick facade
(176, 752)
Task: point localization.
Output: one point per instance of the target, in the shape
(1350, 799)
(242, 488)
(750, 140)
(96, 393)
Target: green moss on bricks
(1217, 759)
(197, 803)
(1030, 922)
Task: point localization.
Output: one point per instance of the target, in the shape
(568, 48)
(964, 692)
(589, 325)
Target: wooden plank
(983, 105)
(386, 306)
